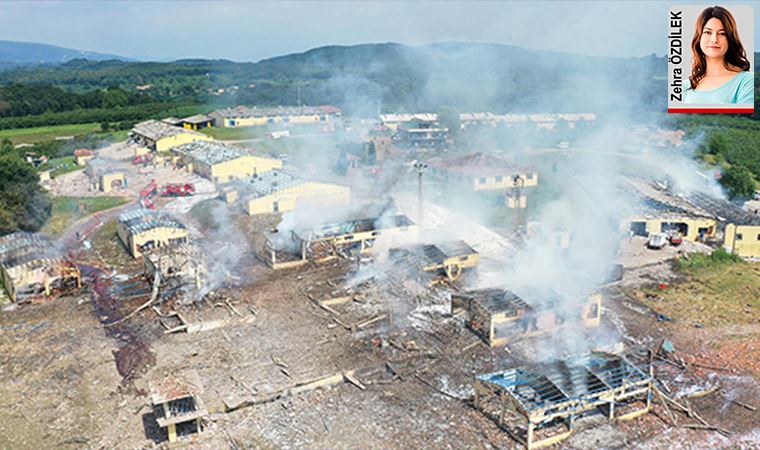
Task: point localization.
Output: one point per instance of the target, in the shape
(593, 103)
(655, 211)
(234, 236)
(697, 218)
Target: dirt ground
(65, 385)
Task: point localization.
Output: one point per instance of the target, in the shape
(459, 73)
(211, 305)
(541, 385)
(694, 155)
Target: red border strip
(712, 110)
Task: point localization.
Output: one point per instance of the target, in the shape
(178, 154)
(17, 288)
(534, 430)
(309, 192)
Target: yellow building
(481, 172)
(246, 117)
(689, 227)
(742, 240)
(141, 230)
(279, 191)
(223, 163)
(82, 155)
(196, 122)
(31, 266)
(104, 178)
(160, 136)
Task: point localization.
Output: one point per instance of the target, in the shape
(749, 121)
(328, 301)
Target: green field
(67, 210)
(59, 166)
(236, 134)
(40, 134)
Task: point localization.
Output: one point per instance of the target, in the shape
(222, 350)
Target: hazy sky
(250, 31)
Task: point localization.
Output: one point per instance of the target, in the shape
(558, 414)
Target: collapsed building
(142, 230)
(281, 190)
(246, 117)
(177, 405)
(182, 261)
(160, 136)
(499, 316)
(350, 237)
(547, 397)
(478, 172)
(31, 266)
(103, 177)
(222, 163)
(446, 261)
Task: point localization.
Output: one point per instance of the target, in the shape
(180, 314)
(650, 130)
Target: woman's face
(714, 43)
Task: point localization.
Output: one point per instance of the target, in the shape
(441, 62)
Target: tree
(739, 182)
(24, 205)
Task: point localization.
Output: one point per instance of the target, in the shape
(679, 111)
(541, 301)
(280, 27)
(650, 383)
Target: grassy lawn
(111, 252)
(236, 134)
(67, 210)
(39, 134)
(713, 295)
(58, 166)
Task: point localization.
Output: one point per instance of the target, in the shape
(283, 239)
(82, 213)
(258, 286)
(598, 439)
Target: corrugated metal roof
(243, 112)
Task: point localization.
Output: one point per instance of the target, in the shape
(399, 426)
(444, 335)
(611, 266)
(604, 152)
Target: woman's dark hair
(735, 56)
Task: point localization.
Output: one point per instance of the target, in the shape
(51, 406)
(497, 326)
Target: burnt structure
(546, 398)
(30, 266)
(499, 316)
(445, 261)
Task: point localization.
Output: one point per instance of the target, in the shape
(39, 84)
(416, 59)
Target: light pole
(419, 167)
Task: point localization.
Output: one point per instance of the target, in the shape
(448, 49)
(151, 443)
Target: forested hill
(391, 76)
(14, 54)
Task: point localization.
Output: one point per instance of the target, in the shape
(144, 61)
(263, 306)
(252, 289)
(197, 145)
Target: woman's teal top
(737, 90)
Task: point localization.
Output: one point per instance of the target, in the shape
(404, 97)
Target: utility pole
(419, 167)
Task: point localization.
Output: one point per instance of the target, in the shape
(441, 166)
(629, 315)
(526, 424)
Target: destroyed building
(281, 190)
(350, 237)
(481, 172)
(246, 117)
(443, 261)
(160, 136)
(422, 134)
(177, 405)
(31, 266)
(103, 177)
(142, 230)
(222, 163)
(548, 397)
(182, 261)
(500, 316)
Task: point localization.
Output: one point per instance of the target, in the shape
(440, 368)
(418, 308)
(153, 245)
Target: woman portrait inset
(720, 68)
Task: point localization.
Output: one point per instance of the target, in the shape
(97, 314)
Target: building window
(482, 180)
(758, 237)
(530, 176)
(739, 236)
(498, 178)
(276, 206)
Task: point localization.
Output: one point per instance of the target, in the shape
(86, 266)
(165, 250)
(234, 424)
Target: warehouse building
(160, 136)
(278, 191)
(82, 155)
(177, 405)
(691, 228)
(246, 117)
(481, 172)
(31, 266)
(499, 316)
(422, 134)
(142, 230)
(104, 178)
(222, 163)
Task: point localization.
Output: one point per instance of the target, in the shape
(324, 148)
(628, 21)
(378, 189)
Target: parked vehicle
(657, 241)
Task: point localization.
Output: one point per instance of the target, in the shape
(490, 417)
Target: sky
(255, 30)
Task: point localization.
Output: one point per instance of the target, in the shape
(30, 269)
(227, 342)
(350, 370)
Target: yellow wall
(160, 235)
(490, 183)
(107, 180)
(655, 225)
(749, 244)
(238, 168)
(253, 121)
(170, 142)
(82, 160)
(328, 194)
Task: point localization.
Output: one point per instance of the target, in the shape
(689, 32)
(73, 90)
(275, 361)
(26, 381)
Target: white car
(657, 241)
